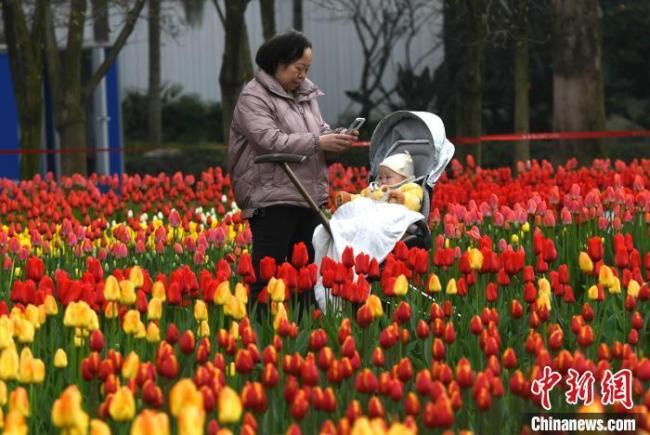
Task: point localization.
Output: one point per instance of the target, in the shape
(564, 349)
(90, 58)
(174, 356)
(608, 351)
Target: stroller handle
(280, 158)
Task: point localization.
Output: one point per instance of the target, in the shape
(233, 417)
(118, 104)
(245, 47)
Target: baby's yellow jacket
(413, 195)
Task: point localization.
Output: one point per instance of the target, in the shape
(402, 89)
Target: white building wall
(193, 58)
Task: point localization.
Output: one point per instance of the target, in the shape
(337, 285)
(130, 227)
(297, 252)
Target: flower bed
(124, 305)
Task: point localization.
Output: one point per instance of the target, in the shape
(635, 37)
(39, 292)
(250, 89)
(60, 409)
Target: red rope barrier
(461, 140)
(560, 135)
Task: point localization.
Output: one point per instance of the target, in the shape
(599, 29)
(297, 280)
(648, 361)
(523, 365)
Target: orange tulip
(150, 422)
(67, 412)
(18, 401)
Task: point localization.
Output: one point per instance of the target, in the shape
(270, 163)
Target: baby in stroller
(395, 184)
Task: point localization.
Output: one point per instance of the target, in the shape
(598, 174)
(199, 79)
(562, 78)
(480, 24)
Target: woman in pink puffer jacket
(277, 112)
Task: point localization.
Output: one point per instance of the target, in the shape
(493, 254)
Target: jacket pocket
(267, 173)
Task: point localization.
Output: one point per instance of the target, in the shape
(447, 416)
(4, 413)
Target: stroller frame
(396, 128)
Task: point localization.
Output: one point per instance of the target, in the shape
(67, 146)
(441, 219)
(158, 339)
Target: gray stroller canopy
(422, 134)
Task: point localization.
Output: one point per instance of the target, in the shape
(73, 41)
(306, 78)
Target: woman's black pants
(275, 230)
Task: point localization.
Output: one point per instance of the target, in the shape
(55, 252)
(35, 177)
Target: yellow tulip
(51, 307)
(475, 259)
(234, 308)
(191, 420)
(585, 263)
(60, 359)
(127, 292)
(401, 285)
(362, 427)
(25, 331)
(111, 310)
(633, 288)
(544, 299)
(200, 311)
(222, 293)
(131, 321)
(9, 363)
(514, 239)
(400, 429)
(280, 316)
(136, 276)
(605, 276)
(276, 289)
(234, 330)
(122, 407)
(592, 293)
(153, 333)
(154, 309)
(525, 227)
(240, 293)
(112, 289)
(141, 332)
(184, 393)
(229, 406)
(6, 332)
(374, 303)
(150, 422)
(204, 329)
(130, 366)
(30, 370)
(98, 427)
(544, 286)
(33, 316)
(158, 291)
(3, 394)
(451, 287)
(434, 284)
(615, 286)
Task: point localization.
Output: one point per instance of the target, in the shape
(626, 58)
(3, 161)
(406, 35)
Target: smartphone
(356, 124)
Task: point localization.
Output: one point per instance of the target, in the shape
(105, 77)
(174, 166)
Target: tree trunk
(31, 124)
(297, 15)
(26, 64)
(267, 9)
(153, 99)
(73, 135)
(470, 92)
(69, 93)
(578, 94)
(231, 77)
(522, 82)
(101, 28)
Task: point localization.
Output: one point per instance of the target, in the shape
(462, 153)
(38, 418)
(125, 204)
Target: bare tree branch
(127, 29)
(222, 17)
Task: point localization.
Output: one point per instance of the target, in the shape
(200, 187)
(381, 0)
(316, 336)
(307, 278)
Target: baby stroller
(422, 134)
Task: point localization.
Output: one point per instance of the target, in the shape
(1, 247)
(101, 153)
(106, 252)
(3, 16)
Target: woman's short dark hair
(283, 48)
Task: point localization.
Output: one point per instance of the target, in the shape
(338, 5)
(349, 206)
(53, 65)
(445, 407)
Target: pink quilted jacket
(266, 120)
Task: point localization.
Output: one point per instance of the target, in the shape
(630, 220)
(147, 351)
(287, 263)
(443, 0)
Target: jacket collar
(306, 91)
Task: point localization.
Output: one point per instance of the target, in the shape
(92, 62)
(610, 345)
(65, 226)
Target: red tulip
(270, 376)
(375, 408)
(299, 256)
(267, 268)
(422, 329)
(595, 248)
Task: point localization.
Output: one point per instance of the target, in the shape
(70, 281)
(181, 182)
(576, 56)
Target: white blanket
(367, 226)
